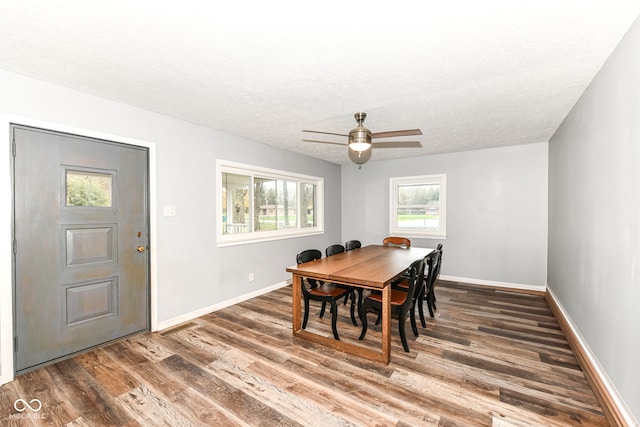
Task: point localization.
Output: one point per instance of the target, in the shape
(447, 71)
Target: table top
(373, 266)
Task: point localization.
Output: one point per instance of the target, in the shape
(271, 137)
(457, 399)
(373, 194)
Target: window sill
(414, 235)
(222, 242)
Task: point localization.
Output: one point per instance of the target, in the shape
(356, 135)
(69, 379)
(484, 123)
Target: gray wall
(594, 217)
(192, 272)
(496, 210)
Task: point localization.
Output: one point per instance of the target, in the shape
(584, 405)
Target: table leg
(386, 324)
(296, 295)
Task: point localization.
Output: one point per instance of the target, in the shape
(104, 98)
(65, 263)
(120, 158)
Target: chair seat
(328, 290)
(397, 297)
(404, 283)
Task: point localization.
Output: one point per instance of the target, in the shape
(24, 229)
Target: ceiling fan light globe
(359, 157)
(359, 146)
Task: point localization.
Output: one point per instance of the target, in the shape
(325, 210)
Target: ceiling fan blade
(325, 133)
(397, 144)
(326, 142)
(388, 134)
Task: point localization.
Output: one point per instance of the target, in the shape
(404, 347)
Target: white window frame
(395, 182)
(223, 166)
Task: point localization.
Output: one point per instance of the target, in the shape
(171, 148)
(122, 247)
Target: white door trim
(6, 230)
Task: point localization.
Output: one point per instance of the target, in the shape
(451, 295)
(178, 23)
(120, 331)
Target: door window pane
(88, 189)
(235, 203)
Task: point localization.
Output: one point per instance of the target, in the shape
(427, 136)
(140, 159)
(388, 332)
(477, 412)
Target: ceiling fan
(360, 144)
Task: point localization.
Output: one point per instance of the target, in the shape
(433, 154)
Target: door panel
(80, 212)
(90, 244)
(91, 300)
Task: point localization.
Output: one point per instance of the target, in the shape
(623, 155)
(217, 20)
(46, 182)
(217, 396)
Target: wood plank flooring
(488, 358)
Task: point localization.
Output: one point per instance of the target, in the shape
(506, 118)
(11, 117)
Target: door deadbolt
(140, 249)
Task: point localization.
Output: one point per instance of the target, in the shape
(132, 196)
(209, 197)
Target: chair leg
(414, 326)
(421, 312)
(334, 319)
(403, 336)
(353, 308)
(363, 320)
(306, 313)
(431, 305)
(324, 305)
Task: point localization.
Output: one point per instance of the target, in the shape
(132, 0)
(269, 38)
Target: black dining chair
(352, 244)
(430, 273)
(323, 292)
(338, 249)
(402, 303)
(329, 251)
(430, 294)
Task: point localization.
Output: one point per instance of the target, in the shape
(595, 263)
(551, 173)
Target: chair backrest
(396, 241)
(416, 278)
(432, 266)
(438, 262)
(352, 244)
(306, 256)
(334, 249)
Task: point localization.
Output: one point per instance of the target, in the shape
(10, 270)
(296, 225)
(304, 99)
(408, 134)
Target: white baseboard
(619, 413)
(210, 309)
(494, 284)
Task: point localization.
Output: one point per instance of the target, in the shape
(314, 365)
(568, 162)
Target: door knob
(140, 248)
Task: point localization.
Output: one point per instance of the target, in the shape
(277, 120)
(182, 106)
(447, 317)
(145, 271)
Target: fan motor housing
(360, 139)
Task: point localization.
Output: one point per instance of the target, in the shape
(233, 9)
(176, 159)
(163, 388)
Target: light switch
(169, 211)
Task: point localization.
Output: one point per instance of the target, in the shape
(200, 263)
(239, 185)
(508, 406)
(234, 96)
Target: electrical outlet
(251, 277)
(169, 210)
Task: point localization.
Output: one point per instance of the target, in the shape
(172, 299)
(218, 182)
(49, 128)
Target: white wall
(594, 217)
(496, 211)
(192, 273)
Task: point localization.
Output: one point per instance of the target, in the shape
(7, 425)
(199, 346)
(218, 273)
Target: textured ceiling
(470, 74)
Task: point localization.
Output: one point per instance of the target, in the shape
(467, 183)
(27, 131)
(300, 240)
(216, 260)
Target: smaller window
(418, 206)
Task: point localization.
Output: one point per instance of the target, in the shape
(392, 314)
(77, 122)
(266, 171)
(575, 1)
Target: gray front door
(81, 233)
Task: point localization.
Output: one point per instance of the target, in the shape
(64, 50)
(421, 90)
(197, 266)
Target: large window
(418, 206)
(264, 204)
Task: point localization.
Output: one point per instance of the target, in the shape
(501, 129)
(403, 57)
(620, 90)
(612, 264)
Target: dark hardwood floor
(488, 358)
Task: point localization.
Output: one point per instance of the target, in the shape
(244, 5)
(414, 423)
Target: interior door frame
(7, 369)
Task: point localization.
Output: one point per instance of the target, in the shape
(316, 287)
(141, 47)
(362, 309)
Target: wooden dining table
(372, 267)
